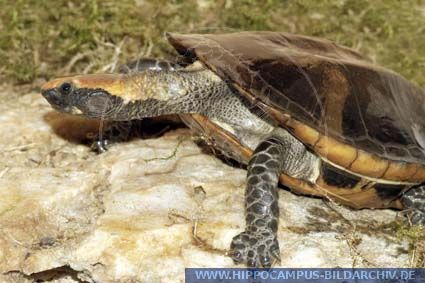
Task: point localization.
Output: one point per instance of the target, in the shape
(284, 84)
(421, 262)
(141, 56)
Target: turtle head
(94, 96)
(124, 96)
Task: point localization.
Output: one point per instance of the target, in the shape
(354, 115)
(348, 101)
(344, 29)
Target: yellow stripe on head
(112, 83)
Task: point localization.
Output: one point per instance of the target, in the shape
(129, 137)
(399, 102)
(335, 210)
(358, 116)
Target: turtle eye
(65, 88)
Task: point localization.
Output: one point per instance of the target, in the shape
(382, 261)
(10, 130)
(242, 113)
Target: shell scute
(328, 88)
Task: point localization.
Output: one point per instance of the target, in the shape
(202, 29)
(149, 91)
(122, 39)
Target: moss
(416, 236)
(56, 37)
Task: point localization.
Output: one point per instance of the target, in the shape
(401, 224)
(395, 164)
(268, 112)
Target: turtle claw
(276, 254)
(100, 146)
(266, 261)
(417, 217)
(256, 249)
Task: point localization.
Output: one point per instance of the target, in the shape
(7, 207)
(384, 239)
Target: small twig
(413, 257)
(88, 68)
(148, 51)
(77, 57)
(13, 239)
(19, 147)
(350, 235)
(4, 171)
(115, 57)
(173, 154)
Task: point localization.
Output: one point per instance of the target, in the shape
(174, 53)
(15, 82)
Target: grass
(416, 237)
(42, 39)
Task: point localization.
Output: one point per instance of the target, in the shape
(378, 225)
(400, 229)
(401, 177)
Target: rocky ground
(146, 209)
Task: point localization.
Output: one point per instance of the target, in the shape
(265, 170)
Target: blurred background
(42, 39)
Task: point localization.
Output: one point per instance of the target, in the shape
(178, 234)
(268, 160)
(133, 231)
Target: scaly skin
(414, 201)
(258, 245)
(118, 131)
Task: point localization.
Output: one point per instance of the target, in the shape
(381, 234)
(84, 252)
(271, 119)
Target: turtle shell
(355, 115)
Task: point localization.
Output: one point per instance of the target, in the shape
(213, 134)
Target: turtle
(304, 112)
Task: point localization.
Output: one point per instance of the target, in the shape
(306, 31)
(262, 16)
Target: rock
(148, 208)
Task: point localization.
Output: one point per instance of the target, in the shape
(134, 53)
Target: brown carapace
(367, 123)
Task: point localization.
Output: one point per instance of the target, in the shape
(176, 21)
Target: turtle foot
(256, 249)
(100, 146)
(417, 217)
(414, 202)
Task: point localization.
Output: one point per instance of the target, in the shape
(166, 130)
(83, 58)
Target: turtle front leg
(414, 201)
(258, 245)
(115, 131)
